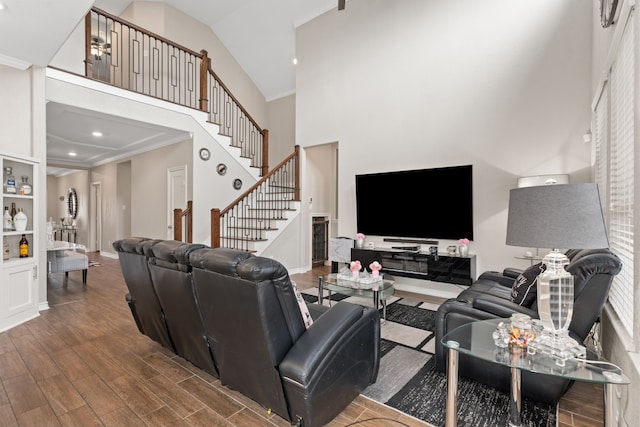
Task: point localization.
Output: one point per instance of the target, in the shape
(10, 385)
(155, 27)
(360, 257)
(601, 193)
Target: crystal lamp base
(558, 345)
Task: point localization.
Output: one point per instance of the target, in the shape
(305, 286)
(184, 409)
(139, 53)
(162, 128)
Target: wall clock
(205, 154)
(607, 12)
(237, 183)
(221, 168)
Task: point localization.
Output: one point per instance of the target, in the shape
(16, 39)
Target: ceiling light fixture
(72, 154)
(295, 61)
(2, 6)
(96, 133)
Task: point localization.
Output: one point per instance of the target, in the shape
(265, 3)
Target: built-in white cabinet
(19, 284)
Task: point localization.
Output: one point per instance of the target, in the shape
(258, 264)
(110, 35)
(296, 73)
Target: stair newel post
(177, 224)
(190, 221)
(215, 228)
(265, 153)
(88, 59)
(204, 79)
(296, 150)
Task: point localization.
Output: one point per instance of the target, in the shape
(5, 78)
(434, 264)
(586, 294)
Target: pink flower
(463, 241)
(375, 266)
(360, 236)
(355, 265)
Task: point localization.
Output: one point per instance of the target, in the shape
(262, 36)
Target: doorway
(176, 194)
(95, 207)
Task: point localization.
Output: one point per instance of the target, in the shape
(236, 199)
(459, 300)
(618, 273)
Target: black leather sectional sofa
(490, 298)
(235, 316)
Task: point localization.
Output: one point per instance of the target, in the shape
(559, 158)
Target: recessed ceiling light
(2, 6)
(96, 133)
(295, 61)
(71, 153)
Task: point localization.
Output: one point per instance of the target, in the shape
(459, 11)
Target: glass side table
(475, 339)
(379, 291)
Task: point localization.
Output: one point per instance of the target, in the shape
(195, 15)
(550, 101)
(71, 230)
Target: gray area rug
(408, 380)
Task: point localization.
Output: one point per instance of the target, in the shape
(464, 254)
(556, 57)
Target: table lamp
(567, 216)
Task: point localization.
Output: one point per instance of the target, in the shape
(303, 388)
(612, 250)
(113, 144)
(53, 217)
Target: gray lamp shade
(560, 216)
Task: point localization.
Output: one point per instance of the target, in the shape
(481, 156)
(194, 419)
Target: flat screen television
(432, 203)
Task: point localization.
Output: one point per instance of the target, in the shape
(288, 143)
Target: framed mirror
(72, 203)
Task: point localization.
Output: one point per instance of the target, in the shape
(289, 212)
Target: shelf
(455, 269)
(17, 233)
(16, 196)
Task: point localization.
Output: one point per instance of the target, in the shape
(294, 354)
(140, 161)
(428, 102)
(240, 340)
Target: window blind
(601, 141)
(621, 175)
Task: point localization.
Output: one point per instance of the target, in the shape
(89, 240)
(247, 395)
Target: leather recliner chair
(489, 298)
(133, 253)
(171, 277)
(262, 347)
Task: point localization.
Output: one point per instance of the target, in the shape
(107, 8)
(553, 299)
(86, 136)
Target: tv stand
(460, 270)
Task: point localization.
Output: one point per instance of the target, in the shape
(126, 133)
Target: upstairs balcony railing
(127, 56)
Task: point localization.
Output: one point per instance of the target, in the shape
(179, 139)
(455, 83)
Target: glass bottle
(13, 213)
(20, 220)
(7, 220)
(9, 181)
(24, 247)
(25, 187)
(5, 249)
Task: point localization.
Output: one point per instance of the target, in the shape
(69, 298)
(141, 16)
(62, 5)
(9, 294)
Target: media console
(420, 265)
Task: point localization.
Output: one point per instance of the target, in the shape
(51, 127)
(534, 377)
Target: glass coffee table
(379, 291)
(475, 339)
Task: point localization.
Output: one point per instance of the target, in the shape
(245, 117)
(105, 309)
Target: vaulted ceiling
(260, 35)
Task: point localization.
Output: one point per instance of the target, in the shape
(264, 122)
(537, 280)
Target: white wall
(282, 128)
(498, 84)
(174, 25)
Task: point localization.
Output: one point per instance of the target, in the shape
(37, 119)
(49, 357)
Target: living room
(511, 94)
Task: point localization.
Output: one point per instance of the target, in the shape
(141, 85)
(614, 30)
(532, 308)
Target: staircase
(124, 55)
(261, 211)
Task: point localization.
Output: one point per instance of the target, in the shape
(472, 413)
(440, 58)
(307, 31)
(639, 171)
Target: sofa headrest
(590, 262)
(173, 251)
(130, 244)
(219, 260)
(257, 269)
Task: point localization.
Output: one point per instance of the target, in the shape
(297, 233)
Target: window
(614, 168)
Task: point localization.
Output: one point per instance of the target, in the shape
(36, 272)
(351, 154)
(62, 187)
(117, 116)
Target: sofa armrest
(346, 333)
(331, 363)
(500, 307)
(498, 277)
(512, 272)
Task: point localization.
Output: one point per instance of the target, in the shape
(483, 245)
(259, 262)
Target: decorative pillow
(525, 286)
(304, 310)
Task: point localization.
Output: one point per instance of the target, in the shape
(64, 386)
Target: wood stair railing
(248, 218)
(125, 55)
(185, 217)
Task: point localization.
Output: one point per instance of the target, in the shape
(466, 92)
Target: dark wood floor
(83, 363)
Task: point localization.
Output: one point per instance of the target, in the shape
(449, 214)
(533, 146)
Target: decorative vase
(359, 243)
(355, 274)
(463, 250)
(375, 274)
